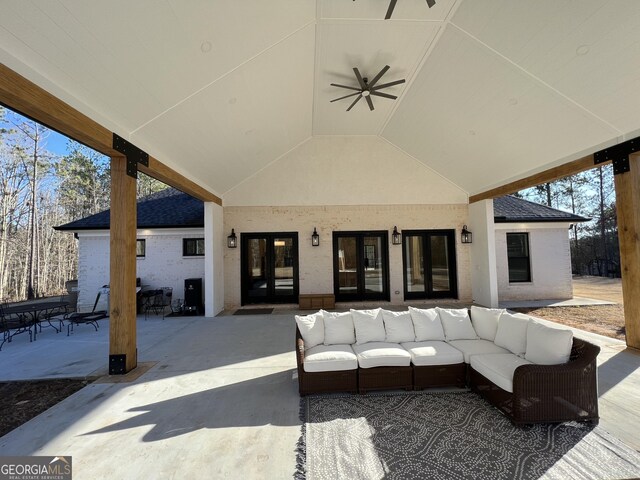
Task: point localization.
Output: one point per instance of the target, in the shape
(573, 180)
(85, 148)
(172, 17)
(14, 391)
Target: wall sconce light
(232, 240)
(315, 238)
(396, 238)
(467, 236)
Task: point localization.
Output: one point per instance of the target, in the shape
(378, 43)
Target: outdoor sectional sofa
(531, 372)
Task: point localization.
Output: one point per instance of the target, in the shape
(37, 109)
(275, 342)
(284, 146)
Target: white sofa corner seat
(498, 368)
(478, 346)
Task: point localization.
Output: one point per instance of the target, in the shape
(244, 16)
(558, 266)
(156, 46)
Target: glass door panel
(347, 266)
(414, 261)
(361, 265)
(283, 266)
(256, 268)
(440, 278)
(269, 266)
(373, 269)
(429, 264)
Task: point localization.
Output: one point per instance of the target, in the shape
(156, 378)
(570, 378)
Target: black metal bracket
(134, 155)
(618, 154)
(118, 364)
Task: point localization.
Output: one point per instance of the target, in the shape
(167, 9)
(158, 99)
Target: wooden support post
(628, 212)
(122, 310)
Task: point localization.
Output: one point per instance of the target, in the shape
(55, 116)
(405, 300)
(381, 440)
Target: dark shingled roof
(516, 210)
(168, 208)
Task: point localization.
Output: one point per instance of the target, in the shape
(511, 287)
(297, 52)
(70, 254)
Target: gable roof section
(168, 208)
(511, 209)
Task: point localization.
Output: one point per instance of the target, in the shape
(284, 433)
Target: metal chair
(158, 301)
(15, 322)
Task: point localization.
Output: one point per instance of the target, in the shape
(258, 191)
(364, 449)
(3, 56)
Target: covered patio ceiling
(496, 89)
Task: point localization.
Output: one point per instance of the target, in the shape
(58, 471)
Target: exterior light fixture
(232, 240)
(467, 236)
(396, 238)
(315, 238)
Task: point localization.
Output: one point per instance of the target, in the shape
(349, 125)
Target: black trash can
(193, 296)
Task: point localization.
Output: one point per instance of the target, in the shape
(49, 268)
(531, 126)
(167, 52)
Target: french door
(269, 267)
(429, 258)
(361, 265)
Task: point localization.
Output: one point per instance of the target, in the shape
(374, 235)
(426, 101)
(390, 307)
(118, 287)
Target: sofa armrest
(556, 389)
(299, 349)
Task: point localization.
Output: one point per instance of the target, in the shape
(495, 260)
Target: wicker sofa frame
(548, 393)
(541, 393)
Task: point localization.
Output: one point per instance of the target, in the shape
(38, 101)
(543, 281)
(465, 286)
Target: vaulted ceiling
(495, 90)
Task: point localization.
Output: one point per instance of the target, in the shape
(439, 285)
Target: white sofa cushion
(426, 324)
(498, 367)
(433, 352)
(485, 321)
(381, 354)
(311, 328)
(338, 328)
(456, 324)
(547, 345)
(369, 326)
(398, 326)
(512, 332)
(329, 358)
(476, 347)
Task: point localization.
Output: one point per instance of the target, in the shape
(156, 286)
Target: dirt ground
(607, 320)
(21, 401)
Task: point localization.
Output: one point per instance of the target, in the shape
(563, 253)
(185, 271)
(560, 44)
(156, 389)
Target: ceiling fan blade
(390, 84)
(431, 3)
(346, 96)
(370, 102)
(359, 77)
(344, 86)
(392, 5)
(377, 77)
(354, 102)
(385, 95)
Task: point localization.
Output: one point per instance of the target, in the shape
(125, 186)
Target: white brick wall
(316, 263)
(550, 259)
(163, 265)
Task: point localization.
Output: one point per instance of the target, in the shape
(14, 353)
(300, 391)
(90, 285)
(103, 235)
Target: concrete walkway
(221, 401)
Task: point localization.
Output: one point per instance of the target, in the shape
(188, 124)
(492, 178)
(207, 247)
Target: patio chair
(13, 324)
(91, 317)
(158, 301)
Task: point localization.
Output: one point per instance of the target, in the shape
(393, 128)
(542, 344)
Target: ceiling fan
(366, 89)
(392, 5)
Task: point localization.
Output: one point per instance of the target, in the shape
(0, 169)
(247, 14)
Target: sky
(55, 142)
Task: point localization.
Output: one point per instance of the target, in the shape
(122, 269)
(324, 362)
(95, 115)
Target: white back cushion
(398, 326)
(485, 321)
(456, 324)
(369, 326)
(547, 345)
(338, 328)
(512, 332)
(426, 324)
(311, 328)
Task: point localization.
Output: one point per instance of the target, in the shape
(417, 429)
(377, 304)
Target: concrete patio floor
(221, 401)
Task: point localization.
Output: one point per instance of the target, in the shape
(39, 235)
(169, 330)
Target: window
(193, 247)
(518, 257)
(141, 248)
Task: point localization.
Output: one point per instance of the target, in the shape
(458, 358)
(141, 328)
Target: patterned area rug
(447, 436)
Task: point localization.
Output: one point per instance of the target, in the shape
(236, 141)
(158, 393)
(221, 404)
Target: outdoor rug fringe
(447, 436)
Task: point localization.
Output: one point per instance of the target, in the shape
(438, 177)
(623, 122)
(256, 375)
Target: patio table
(36, 310)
